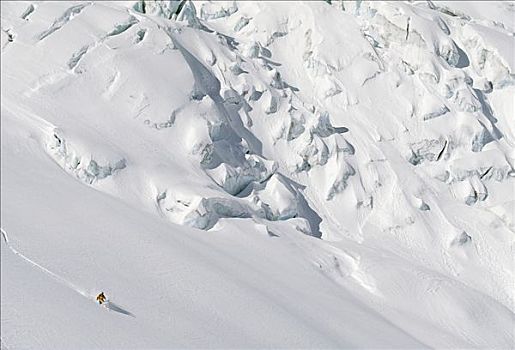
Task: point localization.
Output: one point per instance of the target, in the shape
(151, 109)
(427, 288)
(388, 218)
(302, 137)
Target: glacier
(245, 174)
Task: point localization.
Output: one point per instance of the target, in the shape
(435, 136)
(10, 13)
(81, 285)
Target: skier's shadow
(112, 306)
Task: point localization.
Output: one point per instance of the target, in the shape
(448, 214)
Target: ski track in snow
(58, 278)
(108, 304)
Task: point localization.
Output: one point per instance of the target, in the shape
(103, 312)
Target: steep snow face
(258, 174)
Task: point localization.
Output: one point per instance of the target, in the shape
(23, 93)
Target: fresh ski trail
(58, 278)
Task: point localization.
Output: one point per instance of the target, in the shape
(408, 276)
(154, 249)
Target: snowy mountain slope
(258, 174)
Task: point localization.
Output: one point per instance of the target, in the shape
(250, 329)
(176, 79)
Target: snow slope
(257, 174)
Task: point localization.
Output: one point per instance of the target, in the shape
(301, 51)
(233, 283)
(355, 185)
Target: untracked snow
(323, 174)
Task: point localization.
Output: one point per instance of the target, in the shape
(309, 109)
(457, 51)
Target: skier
(101, 298)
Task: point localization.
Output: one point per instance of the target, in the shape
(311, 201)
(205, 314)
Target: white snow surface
(257, 174)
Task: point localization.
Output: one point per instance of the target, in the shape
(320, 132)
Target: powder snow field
(257, 174)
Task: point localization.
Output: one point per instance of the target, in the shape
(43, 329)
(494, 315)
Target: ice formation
(325, 174)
